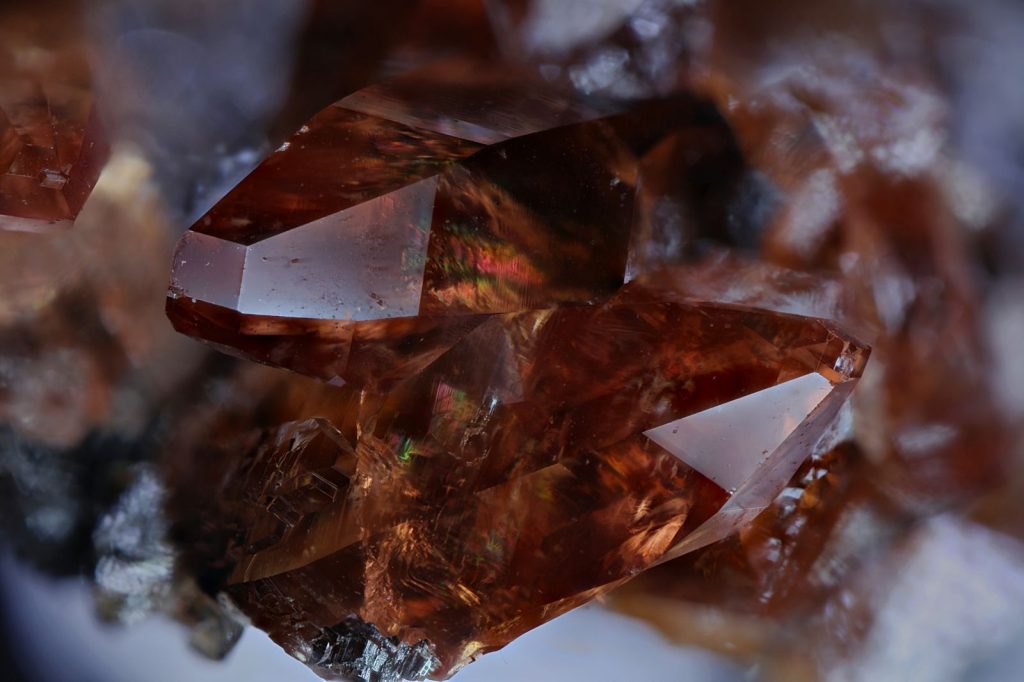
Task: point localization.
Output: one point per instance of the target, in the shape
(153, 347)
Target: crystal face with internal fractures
(520, 428)
(52, 147)
(543, 459)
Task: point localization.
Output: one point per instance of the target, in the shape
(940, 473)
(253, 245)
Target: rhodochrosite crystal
(401, 217)
(546, 457)
(518, 427)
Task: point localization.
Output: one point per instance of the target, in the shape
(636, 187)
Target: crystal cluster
(561, 300)
(846, 135)
(465, 278)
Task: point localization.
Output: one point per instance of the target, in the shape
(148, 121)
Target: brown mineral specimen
(519, 429)
(502, 485)
(769, 561)
(57, 370)
(740, 595)
(52, 146)
(408, 209)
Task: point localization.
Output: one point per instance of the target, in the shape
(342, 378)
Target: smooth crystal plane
(532, 406)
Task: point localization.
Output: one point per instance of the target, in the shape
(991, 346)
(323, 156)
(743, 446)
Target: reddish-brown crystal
(415, 207)
(544, 420)
(776, 569)
(521, 427)
(848, 140)
(52, 147)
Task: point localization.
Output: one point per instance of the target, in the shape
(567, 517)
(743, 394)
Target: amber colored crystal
(547, 456)
(737, 595)
(393, 223)
(765, 566)
(523, 422)
(52, 147)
